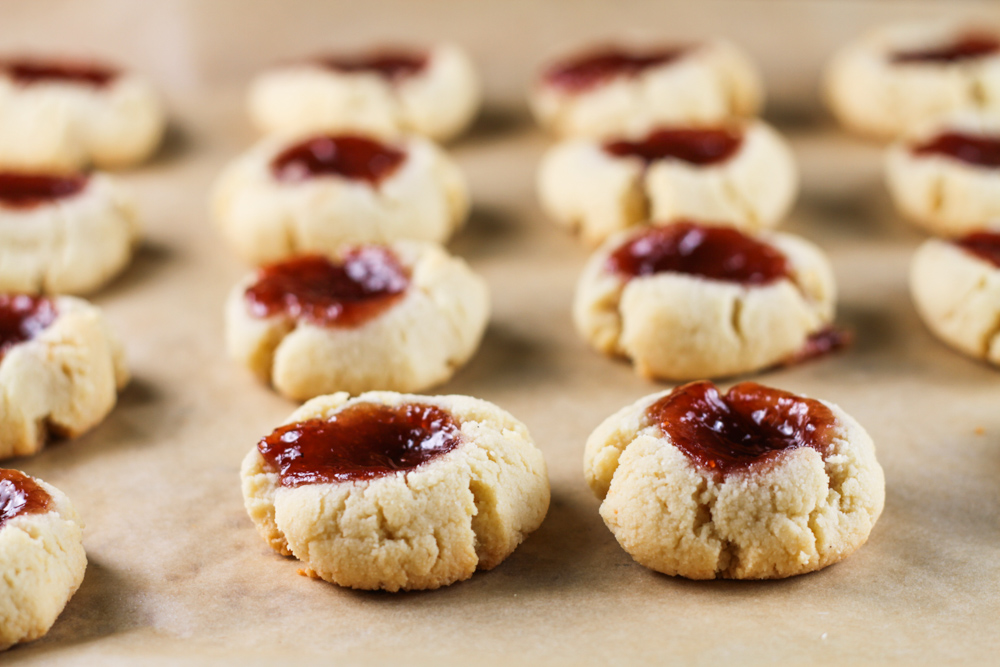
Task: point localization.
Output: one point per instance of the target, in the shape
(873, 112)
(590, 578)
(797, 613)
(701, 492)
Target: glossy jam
(965, 47)
(26, 72)
(703, 146)
(368, 281)
(20, 494)
(362, 441)
(979, 150)
(984, 245)
(346, 156)
(821, 343)
(394, 64)
(22, 317)
(30, 190)
(717, 253)
(747, 426)
(596, 67)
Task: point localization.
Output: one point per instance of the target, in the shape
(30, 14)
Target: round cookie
(42, 560)
(895, 80)
(63, 234)
(618, 91)
(285, 198)
(947, 177)
(687, 300)
(395, 491)
(402, 317)
(60, 370)
(956, 289)
(434, 92)
(742, 174)
(62, 115)
(756, 483)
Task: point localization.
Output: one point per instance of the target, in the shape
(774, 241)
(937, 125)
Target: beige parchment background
(176, 570)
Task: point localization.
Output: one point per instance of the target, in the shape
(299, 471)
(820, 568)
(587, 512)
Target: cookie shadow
(489, 231)
(151, 257)
(177, 142)
(494, 123)
(505, 358)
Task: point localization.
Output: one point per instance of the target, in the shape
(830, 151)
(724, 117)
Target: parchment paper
(177, 571)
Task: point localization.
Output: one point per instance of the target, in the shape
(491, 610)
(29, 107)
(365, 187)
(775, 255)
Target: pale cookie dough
(957, 294)
(680, 326)
(42, 560)
(796, 510)
(266, 219)
(707, 82)
(51, 119)
(62, 377)
(70, 244)
(946, 195)
(585, 187)
(421, 527)
(417, 341)
(872, 92)
(439, 99)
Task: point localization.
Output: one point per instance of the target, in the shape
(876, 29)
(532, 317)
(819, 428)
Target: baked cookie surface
(292, 197)
(434, 92)
(956, 289)
(688, 300)
(401, 317)
(60, 370)
(742, 174)
(395, 491)
(754, 483)
(619, 91)
(42, 560)
(64, 115)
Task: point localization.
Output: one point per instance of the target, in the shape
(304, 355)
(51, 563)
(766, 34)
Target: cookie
(896, 80)
(628, 91)
(754, 483)
(947, 178)
(41, 556)
(402, 317)
(956, 288)
(396, 491)
(433, 92)
(688, 300)
(292, 197)
(63, 234)
(742, 174)
(62, 115)
(60, 370)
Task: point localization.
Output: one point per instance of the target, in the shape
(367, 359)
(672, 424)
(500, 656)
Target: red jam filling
(366, 282)
(965, 47)
(700, 147)
(591, 69)
(22, 317)
(362, 441)
(984, 245)
(30, 190)
(716, 253)
(20, 494)
(821, 343)
(347, 156)
(979, 150)
(748, 425)
(392, 64)
(26, 71)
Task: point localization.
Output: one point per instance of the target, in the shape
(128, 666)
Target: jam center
(347, 156)
(29, 190)
(20, 494)
(27, 72)
(592, 69)
(362, 441)
(394, 65)
(751, 423)
(984, 245)
(979, 150)
(716, 253)
(22, 317)
(369, 280)
(695, 146)
(966, 47)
